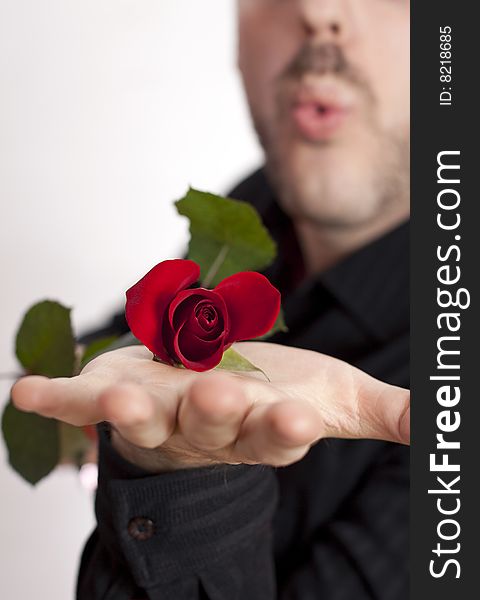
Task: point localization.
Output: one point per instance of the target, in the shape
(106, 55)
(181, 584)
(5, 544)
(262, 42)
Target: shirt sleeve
(360, 552)
(198, 533)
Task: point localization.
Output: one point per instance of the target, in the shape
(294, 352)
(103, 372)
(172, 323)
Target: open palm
(168, 418)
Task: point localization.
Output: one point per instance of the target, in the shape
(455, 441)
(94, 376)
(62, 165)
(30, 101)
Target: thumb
(383, 412)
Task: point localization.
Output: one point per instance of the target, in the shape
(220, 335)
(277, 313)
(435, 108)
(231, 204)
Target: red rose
(195, 326)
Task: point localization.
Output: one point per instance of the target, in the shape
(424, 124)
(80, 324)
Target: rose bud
(194, 327)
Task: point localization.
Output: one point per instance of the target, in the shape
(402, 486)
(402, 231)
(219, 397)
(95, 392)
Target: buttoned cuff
(176, 524)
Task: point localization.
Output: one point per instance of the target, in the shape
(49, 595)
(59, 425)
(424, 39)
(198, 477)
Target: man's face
(328, 86)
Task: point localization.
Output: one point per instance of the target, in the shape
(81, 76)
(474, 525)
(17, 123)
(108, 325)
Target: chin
(335, 194)
(332, 210)
(347, 182)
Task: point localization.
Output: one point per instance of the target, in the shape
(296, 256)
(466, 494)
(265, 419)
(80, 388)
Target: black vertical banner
(445, 260)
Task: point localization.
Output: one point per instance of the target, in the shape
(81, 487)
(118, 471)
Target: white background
(109, 109)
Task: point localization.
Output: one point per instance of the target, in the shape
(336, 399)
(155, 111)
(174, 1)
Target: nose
(325, 20)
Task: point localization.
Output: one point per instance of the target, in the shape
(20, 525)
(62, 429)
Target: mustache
(323, 59)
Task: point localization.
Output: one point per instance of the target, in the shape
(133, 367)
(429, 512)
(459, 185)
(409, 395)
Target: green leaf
(45, 344)
(227, 236)
(96, 348)
(74, 443)
(233, 361)
(32, 442)
(278, 326)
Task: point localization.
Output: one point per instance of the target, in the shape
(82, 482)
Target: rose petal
(194, 324)
(196, 354)
(168, 335)
(206, 317)
(253, 304)
(182, 307)
(148, 301)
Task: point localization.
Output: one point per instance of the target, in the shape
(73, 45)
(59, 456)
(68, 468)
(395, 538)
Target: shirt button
(141, 528)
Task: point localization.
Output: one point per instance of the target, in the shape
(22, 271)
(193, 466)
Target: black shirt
(333, 526)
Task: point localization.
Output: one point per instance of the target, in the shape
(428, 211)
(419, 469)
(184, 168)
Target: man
(186, 508)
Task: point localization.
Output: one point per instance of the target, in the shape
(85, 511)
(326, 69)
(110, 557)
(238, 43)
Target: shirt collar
(372, 284)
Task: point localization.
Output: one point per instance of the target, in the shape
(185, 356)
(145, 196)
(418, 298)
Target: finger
(139, 417)
(212, 412)
(391, 411)
(278, 434)
(72, 400)
(383, 413)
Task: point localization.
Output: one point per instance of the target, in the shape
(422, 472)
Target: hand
(166, 418)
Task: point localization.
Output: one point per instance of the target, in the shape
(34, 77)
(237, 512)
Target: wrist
(147, 459)
(155, 460)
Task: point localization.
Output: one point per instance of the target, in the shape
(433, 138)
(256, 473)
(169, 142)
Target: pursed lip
(319, 111)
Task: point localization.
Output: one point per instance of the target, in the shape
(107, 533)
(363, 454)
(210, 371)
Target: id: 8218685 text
(445, 66)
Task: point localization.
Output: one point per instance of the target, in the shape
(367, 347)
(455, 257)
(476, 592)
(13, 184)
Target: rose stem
(217, 263)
